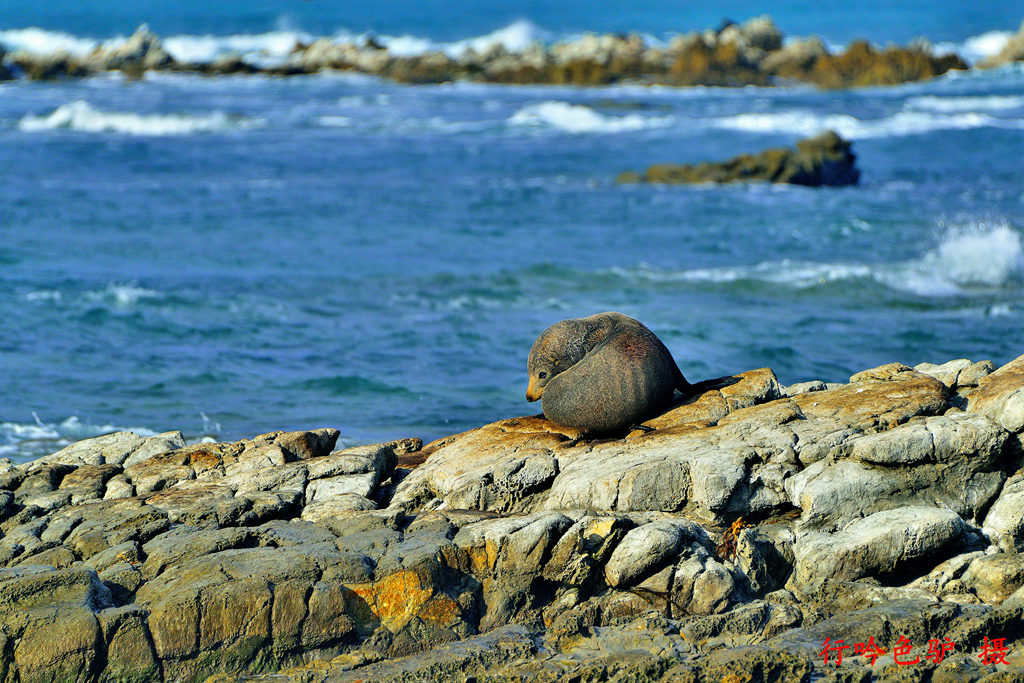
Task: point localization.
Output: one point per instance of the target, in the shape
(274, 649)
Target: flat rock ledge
(822, 160)
(752, 53)
(757, 522)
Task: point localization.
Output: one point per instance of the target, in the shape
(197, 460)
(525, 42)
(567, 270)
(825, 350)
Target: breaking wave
(515, 37)
(967, 103)
(266, 48)
(43, 42)
(577, 118)
(899, 124)
(81, 116)
(24, 441)
(972, 257)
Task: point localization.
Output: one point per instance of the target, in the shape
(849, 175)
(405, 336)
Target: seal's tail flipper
(680, 382)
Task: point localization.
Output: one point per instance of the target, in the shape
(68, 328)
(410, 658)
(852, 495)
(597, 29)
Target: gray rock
(957, 373)
(995, 577)
(949, 460)
(644, 549)
(803, 388)
(1000, 396)
(361, 485)
(331, 508)
(1004, 523)
(883, 544)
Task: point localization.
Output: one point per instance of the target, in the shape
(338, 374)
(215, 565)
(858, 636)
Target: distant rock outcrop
(142, 51)
(822, 160)
(757, 524)
(752, 53)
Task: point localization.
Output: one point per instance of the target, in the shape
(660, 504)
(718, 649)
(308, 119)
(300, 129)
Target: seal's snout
(533, 392)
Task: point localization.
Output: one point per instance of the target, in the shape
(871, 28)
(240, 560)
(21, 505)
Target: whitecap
(265, 48)
(514, 38)
(42, 42)
(81, 116)
(900, 124)
(966, 103)
(988, 44)
(976, 256)
(577, 118)
(44, 295)
(980, 254)
(33, 439)
(335, 121)
(122, 294)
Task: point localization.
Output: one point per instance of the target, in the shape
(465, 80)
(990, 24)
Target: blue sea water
(233, 255)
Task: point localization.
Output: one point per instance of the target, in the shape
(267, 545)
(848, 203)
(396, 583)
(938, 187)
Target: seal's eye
(543, 375)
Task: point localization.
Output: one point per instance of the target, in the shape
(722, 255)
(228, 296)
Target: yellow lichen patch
(479, 562)
(442, 611)
(396, 598)
(735, 678)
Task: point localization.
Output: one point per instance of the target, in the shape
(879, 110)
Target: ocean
(239, 254)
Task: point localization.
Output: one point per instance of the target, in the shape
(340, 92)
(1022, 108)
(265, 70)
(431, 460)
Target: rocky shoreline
(760, 532)
(752, 53)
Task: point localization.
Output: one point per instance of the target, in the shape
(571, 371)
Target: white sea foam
(577, 118)
(515, 37)
(44, 295)
(122, 294)
(899, 124)
(967, 103)
(334, 121)
(81, 116)
(38, 438)
(969, 257)
(977, 48)
(978, 254)
(43, 42)
(261, 47)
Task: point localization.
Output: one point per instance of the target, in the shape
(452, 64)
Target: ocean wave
(122, 295)
(977, 48)
(24, 441)
(118, 295)
(973, 257)
(81, 116)
(939, 103)
(42, 42)
(578, 118)
(900, 124)
(515, 37)
(267, 48)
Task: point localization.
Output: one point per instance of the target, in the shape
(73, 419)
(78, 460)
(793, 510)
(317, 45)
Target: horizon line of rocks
(734, 55)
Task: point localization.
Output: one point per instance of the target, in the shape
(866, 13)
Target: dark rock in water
(751, 529)
(823, 160)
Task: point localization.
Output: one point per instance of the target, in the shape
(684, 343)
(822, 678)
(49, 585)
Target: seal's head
(557, 349)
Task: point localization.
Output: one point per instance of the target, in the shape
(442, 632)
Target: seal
(604, 373)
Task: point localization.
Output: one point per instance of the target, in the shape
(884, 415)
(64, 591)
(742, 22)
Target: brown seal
(603, 373)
